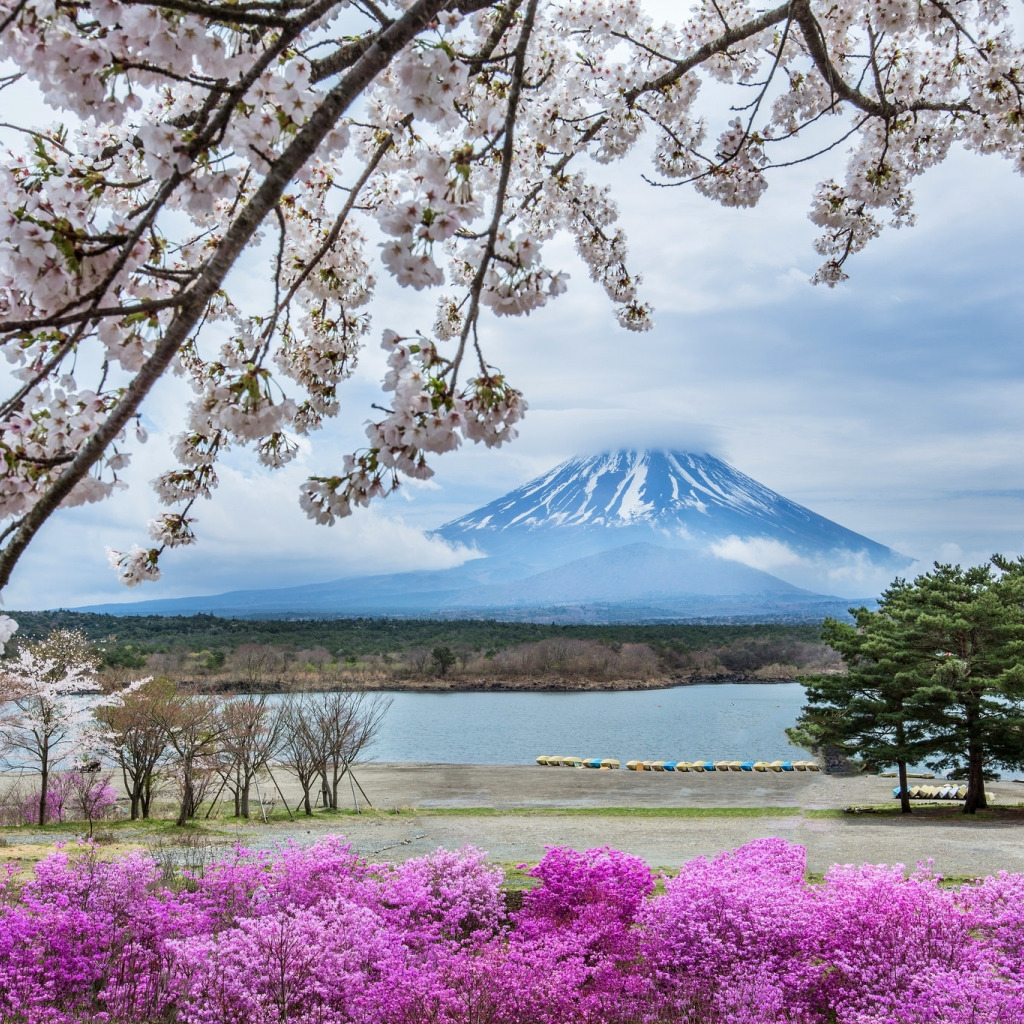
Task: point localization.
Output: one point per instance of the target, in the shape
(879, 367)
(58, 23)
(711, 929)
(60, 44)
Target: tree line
(57, 722)
(935, 675)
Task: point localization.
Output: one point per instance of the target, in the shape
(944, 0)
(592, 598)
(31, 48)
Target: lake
(743, 721)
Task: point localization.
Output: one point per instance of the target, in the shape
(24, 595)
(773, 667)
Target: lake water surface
(743, 721)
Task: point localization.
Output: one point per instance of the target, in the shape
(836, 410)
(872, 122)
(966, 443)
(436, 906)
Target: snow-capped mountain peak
(676, 498)
(625, 488)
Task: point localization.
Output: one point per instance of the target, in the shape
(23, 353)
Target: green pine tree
(966, 628)
(872, 712)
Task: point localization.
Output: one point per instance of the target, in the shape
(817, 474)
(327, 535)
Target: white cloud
(762, 553)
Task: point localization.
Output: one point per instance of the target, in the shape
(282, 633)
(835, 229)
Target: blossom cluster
(320, 935)
(202, 134)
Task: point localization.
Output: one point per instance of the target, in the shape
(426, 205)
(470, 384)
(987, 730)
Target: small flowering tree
(48, 694)
(198, 130)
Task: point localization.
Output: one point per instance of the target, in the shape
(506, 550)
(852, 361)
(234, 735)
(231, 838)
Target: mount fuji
(681, 500)
(624, 536)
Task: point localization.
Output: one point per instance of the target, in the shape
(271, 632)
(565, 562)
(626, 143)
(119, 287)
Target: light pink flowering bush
(320, 936)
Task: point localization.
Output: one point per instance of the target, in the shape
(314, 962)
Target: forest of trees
(253, 655)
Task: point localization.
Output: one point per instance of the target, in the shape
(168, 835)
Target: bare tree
(300, 749)
(254, 662)
(194, 734)
(346, 724)
(137, 739)
(323, 736)
(253, 730)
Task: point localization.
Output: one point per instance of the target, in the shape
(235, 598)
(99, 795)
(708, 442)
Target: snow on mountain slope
(680, 499)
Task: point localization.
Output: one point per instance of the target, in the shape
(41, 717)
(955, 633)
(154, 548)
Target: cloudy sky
(893, 404)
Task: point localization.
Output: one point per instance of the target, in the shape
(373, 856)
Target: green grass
(605, 812)
(930, 812)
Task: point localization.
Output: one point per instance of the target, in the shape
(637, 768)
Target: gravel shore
(569, 799)
(968, 847)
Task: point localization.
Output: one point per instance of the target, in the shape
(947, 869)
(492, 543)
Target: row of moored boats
(947, 792)
(605, 763)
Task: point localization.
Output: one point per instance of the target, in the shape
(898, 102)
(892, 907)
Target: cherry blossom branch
(195, 299)
(507, 158)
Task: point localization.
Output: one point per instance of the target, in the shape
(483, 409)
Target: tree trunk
(133, 789)
(44, 763)
(901, 767)
(975, 782)
(187, 798)
(308, 807)
(243, 798)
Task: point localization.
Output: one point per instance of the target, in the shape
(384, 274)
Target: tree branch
(195, 299)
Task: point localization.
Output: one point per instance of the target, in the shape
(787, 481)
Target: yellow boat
(571, 762)
(696, 766)
(635, 766)
(543, 760)
(735, 766)
(813, 766)
(721, 766)
(657, 766)
(799, 766)
(682, 766)
(760, 766)
(609, 762)
(775, 766)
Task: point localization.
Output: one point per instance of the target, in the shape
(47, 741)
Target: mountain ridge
(643, 531)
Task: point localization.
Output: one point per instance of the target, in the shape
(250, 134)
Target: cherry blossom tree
(200, 133)
(48, 696)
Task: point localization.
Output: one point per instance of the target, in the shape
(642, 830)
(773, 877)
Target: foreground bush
(319, 936)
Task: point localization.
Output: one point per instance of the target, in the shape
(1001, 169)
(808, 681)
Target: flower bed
(319, 936)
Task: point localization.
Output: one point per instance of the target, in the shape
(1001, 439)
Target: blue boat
(709, 766)
(787, 766)
(670, 766)
(746, 766)
(592, 762)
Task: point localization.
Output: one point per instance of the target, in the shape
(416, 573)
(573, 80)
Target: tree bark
(975, 782)
(44, 763)
(901, 767)
(188, 799)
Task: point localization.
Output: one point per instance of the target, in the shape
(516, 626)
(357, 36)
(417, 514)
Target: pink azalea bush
(71, 795)
(320, 936)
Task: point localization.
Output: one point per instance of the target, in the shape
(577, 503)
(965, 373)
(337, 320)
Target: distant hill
(624, 536)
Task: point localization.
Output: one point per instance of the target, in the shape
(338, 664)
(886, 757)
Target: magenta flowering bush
(320, 936)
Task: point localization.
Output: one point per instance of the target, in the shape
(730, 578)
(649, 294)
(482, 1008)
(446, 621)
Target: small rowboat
(760, 766)
(635, 766)
(543, 760)
(609, 762)
(747, 766)
(656, 766)
(775, 766)
(571, 762)
(735, 766)
(721, 766)
(669, 766)
(592, 762)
